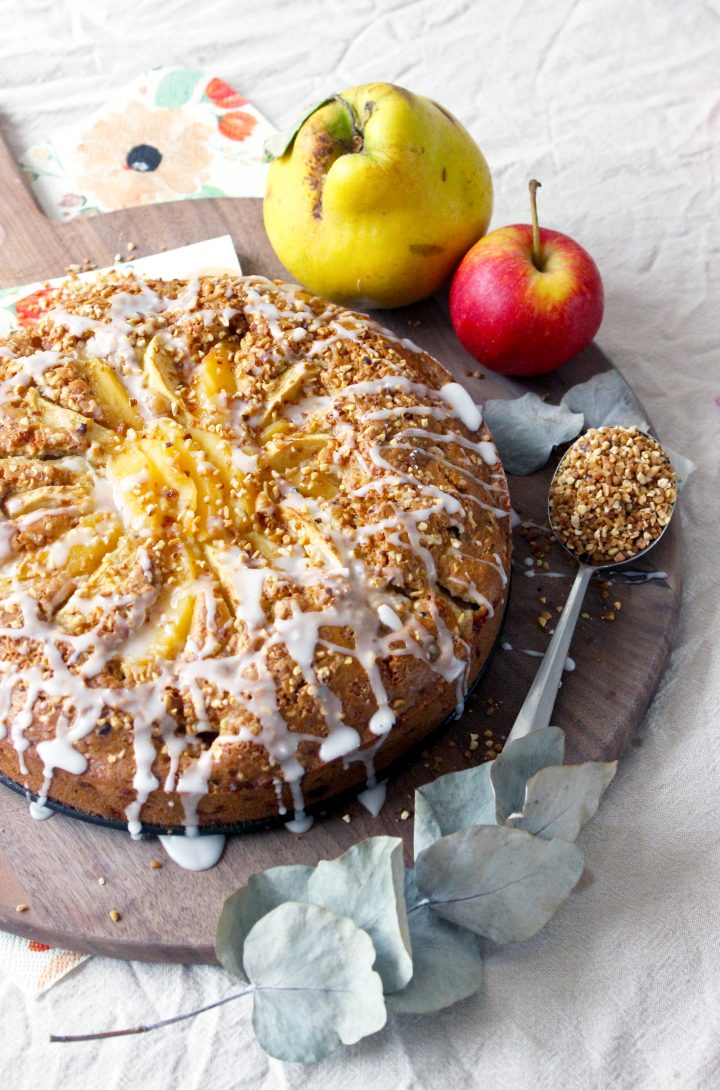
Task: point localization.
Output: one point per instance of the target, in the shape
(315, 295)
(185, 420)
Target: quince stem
(533, 186)
(358, 136)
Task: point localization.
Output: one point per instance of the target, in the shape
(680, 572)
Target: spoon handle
(540, 700)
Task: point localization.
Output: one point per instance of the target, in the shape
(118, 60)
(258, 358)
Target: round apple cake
(253, 547)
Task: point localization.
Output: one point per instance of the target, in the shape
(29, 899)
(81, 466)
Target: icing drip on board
(38, 812)
(373, 798)
(320, 587)
(568, 665)
(194, 852)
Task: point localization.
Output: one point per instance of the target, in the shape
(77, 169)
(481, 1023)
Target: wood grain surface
(169, 914)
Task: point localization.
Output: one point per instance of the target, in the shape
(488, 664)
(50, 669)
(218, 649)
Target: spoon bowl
(608, 565)
(539, 703)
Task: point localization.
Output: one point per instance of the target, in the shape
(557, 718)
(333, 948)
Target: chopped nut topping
(612, 495)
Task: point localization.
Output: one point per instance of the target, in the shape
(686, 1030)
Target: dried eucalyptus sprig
(327, 951)
(57, 1038)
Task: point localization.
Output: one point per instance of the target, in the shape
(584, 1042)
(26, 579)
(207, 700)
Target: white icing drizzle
(38, 812)
(389, 617)
(282, 808)
(486, 450)
(381, 621)
(568, 666)
(462, 405)
(301, 823)
(30, 371)
(373, 798)
(194, 852)
(636, 577)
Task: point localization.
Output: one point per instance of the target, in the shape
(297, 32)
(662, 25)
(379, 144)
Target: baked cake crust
(253, 548)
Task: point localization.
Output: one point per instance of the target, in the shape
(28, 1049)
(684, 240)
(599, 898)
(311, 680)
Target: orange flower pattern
(236, 125)
(172, 134)
(223, 95)
(29, 309)
(142, 156)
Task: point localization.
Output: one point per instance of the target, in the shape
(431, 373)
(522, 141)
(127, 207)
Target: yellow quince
(376, 198)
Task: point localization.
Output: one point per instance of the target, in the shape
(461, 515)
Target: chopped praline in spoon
(612, 495)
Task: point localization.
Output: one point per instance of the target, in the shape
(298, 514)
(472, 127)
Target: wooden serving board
(169, 914)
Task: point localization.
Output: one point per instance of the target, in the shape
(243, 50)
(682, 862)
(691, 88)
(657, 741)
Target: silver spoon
(539, 703)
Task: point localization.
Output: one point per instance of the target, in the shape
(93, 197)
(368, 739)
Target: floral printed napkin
(35, 966)
(172, 134)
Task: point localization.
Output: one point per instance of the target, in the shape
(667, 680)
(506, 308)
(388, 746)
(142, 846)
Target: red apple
(524, 300)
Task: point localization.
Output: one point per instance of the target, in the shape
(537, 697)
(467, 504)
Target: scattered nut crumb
(155, 864)
(114, 915)
(405, 814)
(21, 908)
(102, 881)
(346, 818)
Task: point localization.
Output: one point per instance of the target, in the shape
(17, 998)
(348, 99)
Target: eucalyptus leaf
(526, 429)
(501, 883)
(447, 964)
(604, 400)
(366, 883)
(453, 802)
(246, 906)
(315, 987)
(519, 760)
(558, 801)
(281, 142)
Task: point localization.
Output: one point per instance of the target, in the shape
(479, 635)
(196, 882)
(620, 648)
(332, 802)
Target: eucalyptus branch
(62, 1038)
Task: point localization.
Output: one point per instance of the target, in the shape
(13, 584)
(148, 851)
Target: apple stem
(533, 186)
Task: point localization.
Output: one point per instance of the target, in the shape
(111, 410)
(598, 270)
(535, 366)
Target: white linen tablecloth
(615, 106)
